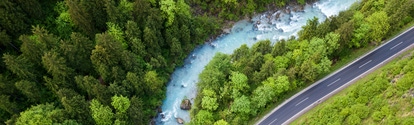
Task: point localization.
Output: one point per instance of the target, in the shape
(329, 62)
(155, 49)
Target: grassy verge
(341, 63)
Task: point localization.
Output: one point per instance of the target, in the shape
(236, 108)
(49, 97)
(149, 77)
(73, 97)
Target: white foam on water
(327, 6)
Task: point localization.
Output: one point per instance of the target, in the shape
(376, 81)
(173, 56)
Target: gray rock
(185, 104)
(226, 31)
(159, 109)
(180, 120)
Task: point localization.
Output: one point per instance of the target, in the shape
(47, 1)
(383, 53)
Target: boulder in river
(185, 104)
(226, 31)
(180, 120)
(152, 121)
(159, 109)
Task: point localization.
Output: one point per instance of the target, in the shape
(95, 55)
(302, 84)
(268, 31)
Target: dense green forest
(237, 88)
(101, 61)
(384, 97)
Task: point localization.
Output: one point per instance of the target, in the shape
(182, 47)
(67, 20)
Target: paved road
(287, 111)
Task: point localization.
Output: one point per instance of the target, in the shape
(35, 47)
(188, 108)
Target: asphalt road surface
(286, 112)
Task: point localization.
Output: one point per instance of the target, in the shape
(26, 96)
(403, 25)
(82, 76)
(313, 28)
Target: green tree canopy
(43, 114)
(102, 114)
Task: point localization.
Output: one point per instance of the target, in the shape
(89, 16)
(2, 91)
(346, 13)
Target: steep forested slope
(72, 60)
(100, 61)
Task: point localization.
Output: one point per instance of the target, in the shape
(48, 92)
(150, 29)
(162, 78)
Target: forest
(237, 88)
(384, 97)
(101, 61)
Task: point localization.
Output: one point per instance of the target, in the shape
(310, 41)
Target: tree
(282, 84)
(360, 38)
(176, 50)
(399, 13)
(345, 32)
(106, 55)
(331, 42)
(209, 100)
(241, 52)
(93, 88)
(43, 114)
(239, 84)
(7, 85)
(81, 16)
(32, 8)
(263, 94)
(186, 38)
(64, 24)
(309, 71)
(241, 105)
(150, 39)
(75, 106)
(379, 20)
(211, 78)
(13, 20)
(215, 72)
(132, 31)
(153, 82)
(136, 111)
(140, 10)
(116, 32)
(279, 48)
(119, 12)
(56, 65)
(267, 70)
(102, 115)
(203, 117)
(168, 7)
(182, 8)
(308, 31)
(125, 7)
(250, 7)
(20, 66)
(262, 47)
(9, 106)
(34, 46)
(112, 11)
(281, 62)
(301, 2)
(31, 90)
(89, 16)
(121, 105)
(221, 122)
(6, 40)
(77, 51)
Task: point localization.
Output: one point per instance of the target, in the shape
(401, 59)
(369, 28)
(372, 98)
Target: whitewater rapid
(183, 83)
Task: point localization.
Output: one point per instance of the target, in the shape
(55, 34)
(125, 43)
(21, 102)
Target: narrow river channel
(184, 80)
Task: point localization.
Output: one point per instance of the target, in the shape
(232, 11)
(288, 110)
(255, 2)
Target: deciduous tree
(102, 114)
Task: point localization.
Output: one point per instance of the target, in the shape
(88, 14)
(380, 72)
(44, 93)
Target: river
(184, 80)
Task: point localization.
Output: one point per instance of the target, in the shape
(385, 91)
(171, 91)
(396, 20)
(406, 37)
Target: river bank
(227, 25)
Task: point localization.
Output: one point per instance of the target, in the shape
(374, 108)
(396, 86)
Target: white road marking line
(395, 46)
(334, 82)
(272, 121)
(302, 101)
(365, 63)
